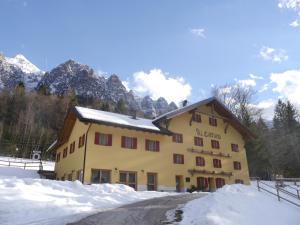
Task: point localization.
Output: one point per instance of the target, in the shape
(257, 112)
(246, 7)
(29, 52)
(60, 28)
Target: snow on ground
(239, 205)
(47, 202)
(31, 164)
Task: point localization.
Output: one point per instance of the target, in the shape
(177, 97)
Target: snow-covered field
(239, 205)
(30, 163)
(25, 199)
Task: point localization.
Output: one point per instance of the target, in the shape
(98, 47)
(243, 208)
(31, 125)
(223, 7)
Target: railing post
(278, 193)
(8, 163)
(298, 194)
(257, 180)
(24, 165)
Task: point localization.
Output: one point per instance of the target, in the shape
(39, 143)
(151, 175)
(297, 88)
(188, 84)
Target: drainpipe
(84, 156)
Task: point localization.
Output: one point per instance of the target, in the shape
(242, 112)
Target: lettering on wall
(202, 133)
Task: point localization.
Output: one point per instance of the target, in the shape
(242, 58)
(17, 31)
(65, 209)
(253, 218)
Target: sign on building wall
(202, 133)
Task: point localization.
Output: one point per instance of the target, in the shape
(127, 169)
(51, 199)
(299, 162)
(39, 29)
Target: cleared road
(148, 212)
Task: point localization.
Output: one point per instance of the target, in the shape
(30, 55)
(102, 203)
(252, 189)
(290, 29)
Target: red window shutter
(79, 142)
(147, 144)
(157, 146)
(174, 137)
(181, 138)
(109, 140)
(182, 159)
(96, 138)
(134, 143)
(123, 142)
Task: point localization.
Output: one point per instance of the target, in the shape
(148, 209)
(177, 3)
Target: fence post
(24, 165)
(41, 165)
(298, 194)
(8, 163)
(277, 189)
(257, 180)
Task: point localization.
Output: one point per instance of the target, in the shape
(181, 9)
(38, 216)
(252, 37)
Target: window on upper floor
(200, 161)
(103, 139)
(65, 152)
(58, 157)
(178, 138)
(151, 145)
(196, 117)
(237, 165)
(81, 141)
(198, 141)
(215, 144)
(234, 147)
(129, 142)
(212, 121)
(217, 163)
(178, 159)
(72, 147)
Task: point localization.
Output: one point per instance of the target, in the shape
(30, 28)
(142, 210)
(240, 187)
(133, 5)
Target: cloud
(246, 83)
(287, 84)
(267, 108)
(295, 23)
(265, 87)
(158, 84)
(199, 32)
(126, 85)
(289, 4)
(274, 55)
(255, 77)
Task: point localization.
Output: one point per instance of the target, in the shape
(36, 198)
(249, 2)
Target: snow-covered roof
(115, 119)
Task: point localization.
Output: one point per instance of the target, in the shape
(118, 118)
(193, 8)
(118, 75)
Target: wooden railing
(22, 164)
(279, 192)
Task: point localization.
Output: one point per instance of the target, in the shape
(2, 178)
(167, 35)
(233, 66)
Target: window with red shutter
(178, 159)
(202, 183)
(177, 138)
(217, 163)
(79, 142)
(96, 141)
(212, 121)
(72, 147)
(237, 165)
(200, 161)
(103, 139)
(215, 144)
(196, 117)
(198, 141)
(220, 182)
(65, 152)
(234, 147)
(151, 145)
(129, 142)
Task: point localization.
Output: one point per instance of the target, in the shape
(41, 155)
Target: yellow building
(201, 144)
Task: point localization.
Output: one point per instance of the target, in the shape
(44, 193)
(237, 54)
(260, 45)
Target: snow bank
(47, 202)
(18, 173)
(239, 205)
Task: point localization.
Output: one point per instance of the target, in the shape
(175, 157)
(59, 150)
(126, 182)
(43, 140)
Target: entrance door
(179, 183)
(202, 183)
(151, 181)
(128, 178)
(220, 182)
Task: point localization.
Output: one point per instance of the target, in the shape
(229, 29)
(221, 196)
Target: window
(198, 141)
(100, 176)
(234, 147)
(215, 144)
(212, 121)
(151, 145)
(128, 178)
(65, 153)
(220, 182)
(70, 177)
(200, 161)
(178, 138)
(81, 141)
(72, 147)
(202, 183)
(239, 181)
(217, 163)
(151, 181)
(237, 165)
(57, 157)
(129, 142)
(178, 159)
(79, 175)
(196, 117)
(103, 139)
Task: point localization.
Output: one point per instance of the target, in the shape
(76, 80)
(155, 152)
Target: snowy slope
(239, 205)
(24, 64)
(46, 202)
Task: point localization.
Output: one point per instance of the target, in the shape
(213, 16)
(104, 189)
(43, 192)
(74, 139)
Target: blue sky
(177, 46)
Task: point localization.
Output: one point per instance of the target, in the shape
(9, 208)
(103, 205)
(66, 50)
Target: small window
(151, 145)
(239, 181)
(129, 142)
(217, 163)
(196, 117)
(70, 177)
(178, 159)
(65, 153)
(200, 161)
(234, 147)
(100, 176)
(220, 182)
(128, 178)
(178, 138)
(58, 157)
(81, 141)
(237, 165)
(198, 141)
(212, 121)
(103, 139)
(215, 144)
(72, 147)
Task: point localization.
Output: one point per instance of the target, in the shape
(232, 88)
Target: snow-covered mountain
(79, 79)
(18, 69)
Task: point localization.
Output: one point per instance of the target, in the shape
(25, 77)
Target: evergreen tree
(121, 106)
